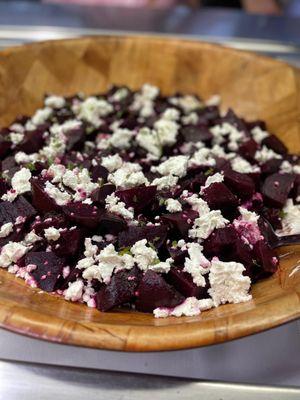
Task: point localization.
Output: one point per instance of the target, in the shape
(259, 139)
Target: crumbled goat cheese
(165, 182)
(116, 206)
(20, 183)
(247, 226)
(92, 109)
(216, 178)
(52, 233)
(206, 224)
(167, 131)
(190, 119)
(112, 163)
(56, 171)
(16, 138)
(60, 198)
(41, 116)
(241, 165)
(119, 95)
(187, 103)
(56, 146)
(128, 175)
(74, 291)
(214, 100)
(291, 219)
(146, 258)
(55, 101)
(258, 134)
(176, 165)
(6, 229)
(202, 157)
(197, 204)
(148, 139)
(287, 167)
(265, 155)
(23, 158)
(173, 205)
(171, 114)
(228, 284)
(189, 308)
(31, 238)
(19, 128)
(80, 181)
(11, 253)
(196, 264)
(143, 101)
(121, 138)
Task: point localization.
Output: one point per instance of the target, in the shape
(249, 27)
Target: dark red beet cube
(33, 141)
(248, 149)
(220, 242)
(49, 220)
(271, 166)
(138, 197)
(98, 172)
(69, 243)
(120, 290)
(48, 271)
(240, 184)
(83, 214)
(276, 189)
(265, 256)
(219, 197)
(183, 282)
(4, 147)
(275, 144)
(181, 222)
(153, 291)
(75, 138)
(18, 208)
(99, 195)
(112, 223)
(177, 254)
(155, 234)
(192, 133)
(40, 199)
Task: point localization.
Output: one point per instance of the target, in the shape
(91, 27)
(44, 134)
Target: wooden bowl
(256, 87)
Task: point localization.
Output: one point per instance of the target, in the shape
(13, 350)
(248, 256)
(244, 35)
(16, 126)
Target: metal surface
(20, 381)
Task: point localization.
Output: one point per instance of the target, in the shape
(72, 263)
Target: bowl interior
(256, 87)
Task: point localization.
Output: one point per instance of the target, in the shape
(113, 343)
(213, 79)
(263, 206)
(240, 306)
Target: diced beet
(220, 242)
(10, 166)
(241, 253)
(219, 197)
(296, 189)
(153, 291)
(208, 115)
(155, 234)
(83, 214)
(271, 166)
(4, 147)
(177, 254)
(49, 220)
(63, 283)
(234, 120)
(4, 186)
(112, 223)
(248, 149)
(15, 236)
(183, 282)
(240, 184)
(192, 133)
(274, 143)
(48, 271)
(33, 141)
(99, 172)
(20, 207)
(192, 184)
(276, 189)
(273, 216)
(68, 244)
(99, 195)
(138, 197)
(181, 222)
(75, 138)
(40, 199)
(265, 256)
(120, 290)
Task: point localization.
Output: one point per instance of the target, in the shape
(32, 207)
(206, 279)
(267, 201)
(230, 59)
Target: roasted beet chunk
(183, 282)
(48, 269)
(181, 222)
(195, 134)
(50, 220)
(248, 149)
(240, 184)
(275, 144)
(99, 195)
(276, 189)
(68, 244)
(4, 147)
(9, 212)
(120, 290)
(219, 197)
(155, 234)
(40, 199)
(112, 223)
(271, 166)
(138, 197)
(83, 214)
(265, 256)
(75, 138)
(153, 291)
(98, 172)
(220, 242)
(33, 140)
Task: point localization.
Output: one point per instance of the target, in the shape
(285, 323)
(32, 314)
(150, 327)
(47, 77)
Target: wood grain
(256, 87)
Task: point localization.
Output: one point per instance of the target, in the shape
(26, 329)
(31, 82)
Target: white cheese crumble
(56, 171)
(202, 157)
(171, 114)
(148, 139)
(258, 134)
(16, 137)
(165, 182)
(196, 264)
(112, 163)
(228, 284)
(60, 198)
(287, 167)
(41, 116)
(80, 181)
(23, 158)
(167, 131)
(291, 219)
(31, 238)
(206, 224)
(189, 308)
(20, 183)
(214, 100)
(226, 129)
(116, 206)
(119, 95)
(215, 178)
(128, 175)
(176, 165)
(187, 103)
(146, 258)
(74, 291)
(55, 101)
(173, 205)
(6, 229)
(143, 100)
(264, 154)
(11, 253)
(92, 109)
(241, 165)
(52, 233)
(197, 204)
(121, 138)
(190, 119)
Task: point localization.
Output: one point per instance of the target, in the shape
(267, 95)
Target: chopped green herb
(210, 171)
(255, 263)
(30, 166)
(162, 201)
(174, 243)
(124, 251)
(282, 214)
(156, 239)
